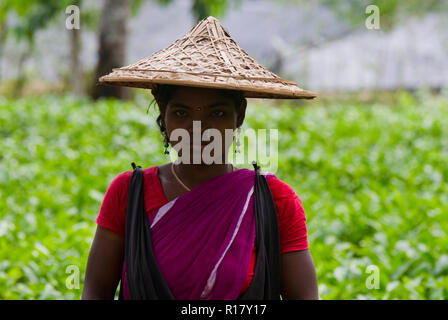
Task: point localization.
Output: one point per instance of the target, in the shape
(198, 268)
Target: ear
(241, 113)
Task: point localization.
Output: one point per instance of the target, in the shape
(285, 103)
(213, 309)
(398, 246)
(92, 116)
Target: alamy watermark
(373, 281)
(373, 20)
(210, 146)
(72, 281)
(73, 20)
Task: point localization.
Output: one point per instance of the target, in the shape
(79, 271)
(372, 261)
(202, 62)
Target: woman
(201, 216)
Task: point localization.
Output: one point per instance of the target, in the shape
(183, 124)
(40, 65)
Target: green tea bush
(372, 180)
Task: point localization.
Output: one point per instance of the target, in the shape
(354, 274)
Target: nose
(200, 128)
(199, 123)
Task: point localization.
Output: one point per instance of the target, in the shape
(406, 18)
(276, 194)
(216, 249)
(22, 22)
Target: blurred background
(324, 45)
(367, 157)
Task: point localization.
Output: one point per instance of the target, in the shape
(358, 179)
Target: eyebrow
(183, 106)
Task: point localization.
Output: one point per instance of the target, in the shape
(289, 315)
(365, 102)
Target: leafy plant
(372, 180)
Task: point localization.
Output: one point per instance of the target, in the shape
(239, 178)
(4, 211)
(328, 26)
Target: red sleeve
(291, 216)
(113, 209)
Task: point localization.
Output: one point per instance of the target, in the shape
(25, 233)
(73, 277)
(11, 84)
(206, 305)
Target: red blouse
(290, 213)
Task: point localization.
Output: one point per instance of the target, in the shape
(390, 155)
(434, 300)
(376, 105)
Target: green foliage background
(372, 179)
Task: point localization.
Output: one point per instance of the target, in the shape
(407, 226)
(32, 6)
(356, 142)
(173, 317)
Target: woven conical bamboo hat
(206, 56)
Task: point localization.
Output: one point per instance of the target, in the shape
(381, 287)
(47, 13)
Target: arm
(104, 265)
(298, 275)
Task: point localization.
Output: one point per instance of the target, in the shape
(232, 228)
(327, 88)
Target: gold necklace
(180, 181)
(175, 175)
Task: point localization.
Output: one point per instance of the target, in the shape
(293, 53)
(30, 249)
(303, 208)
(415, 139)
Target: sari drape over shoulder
(200, 243)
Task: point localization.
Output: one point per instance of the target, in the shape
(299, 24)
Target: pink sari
(203, 239)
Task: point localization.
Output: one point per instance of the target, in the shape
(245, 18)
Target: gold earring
(166, 146)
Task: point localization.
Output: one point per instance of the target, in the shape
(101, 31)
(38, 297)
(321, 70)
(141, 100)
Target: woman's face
(211, 108)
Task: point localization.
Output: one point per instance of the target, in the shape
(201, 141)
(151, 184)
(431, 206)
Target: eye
(180, 113)
(218, 113)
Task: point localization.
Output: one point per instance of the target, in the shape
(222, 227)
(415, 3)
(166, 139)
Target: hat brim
(274, 88)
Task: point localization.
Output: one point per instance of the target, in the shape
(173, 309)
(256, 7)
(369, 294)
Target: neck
(195, 174)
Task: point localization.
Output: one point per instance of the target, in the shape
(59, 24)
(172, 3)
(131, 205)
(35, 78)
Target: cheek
(228, 121)
(222, 126)
(174, 122)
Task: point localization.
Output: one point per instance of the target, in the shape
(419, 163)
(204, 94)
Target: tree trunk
(2, 43)
(21, 77)
(76, 78)
(112, 47)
